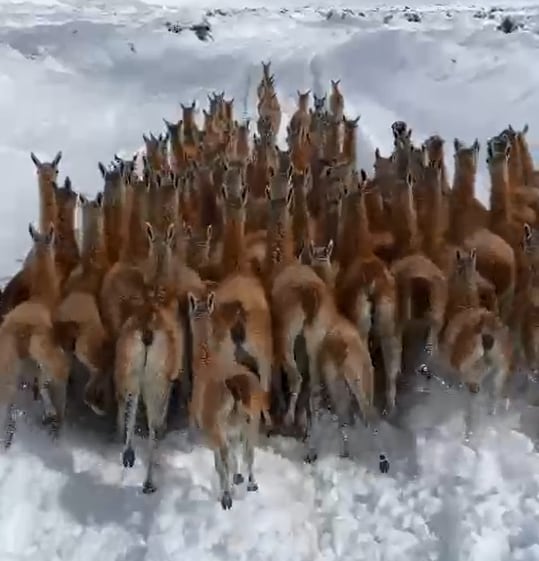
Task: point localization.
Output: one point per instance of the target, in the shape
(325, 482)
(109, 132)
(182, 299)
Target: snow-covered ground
(89, 79)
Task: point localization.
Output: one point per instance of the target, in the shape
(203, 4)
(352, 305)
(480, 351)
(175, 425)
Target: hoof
(128, 458)
(226, 501)
(383, 463)
(49, 419)
(237, 479)
(252, 486)
(310, 457)
(148, 487)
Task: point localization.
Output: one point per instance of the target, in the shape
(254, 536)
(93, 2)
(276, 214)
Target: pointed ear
(35, 159)
(289, 196)
(507, 151)
(191, 299)
(329, 249)
(268, 192)
(82, 199)
(527, 231)
(193, 105)
(149, 232)
(210, 301)
(525, 129)
(476, 145)
(57, 159)
(49, 238)
(457, 144)
(243, 195)
(67, 183)
(171, 233)
(102, 169)
(209, 231)
(363, 175)
(224, 192)
(409, 180)
(34, 234)
(377, 153)
(99, 199)
(473, 255)
(458, 255)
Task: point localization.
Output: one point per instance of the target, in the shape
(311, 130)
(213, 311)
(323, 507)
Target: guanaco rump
(258, 280)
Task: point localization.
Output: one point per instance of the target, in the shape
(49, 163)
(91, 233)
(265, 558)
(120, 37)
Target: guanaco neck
(404, 220)
(48, 209)
(233, 256)
(462, 198)
(356, 239)
(500, 206)
(280, 242)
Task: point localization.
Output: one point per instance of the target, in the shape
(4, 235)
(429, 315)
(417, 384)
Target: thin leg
(10, 425)
(223, 471)
(249, 440)
(314, 426)
(131, 405)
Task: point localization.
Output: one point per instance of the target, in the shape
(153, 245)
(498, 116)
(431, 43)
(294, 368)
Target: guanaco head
(234, 189)
(317, 255)
(530, 243)
(466, 157)
(280, 183)
(43, 246)
(435, 148)
(466, 265)
(200, 317)
(350, 125)
(498, 151)
(303, 100)
(400, 130)
(228, 108)
(67, 200)
(266, 70)
(125, 167)
(383, 166)
(199, 243)
(174, 130)
(319, 104)
(188, 113)
(160, 252)
(47, 171)
(92, 221)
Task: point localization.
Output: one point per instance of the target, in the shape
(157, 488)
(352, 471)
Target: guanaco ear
(243, 195)
(268, 192)
(99, 199)
(209, 230)
(525, 129)
(192, 301)
(457, 144)
(67, 183)
(458, 255)
(102, 169)
(377, 154)
(527, 231)
(34, 234)
(210, 301)
(289, 196)
(82, 199)
(476, 146)
(363, 175)
(473, 256)
(409, 180)
(171, 233)
(57, 159)
(329, 249)
(36, 160)
(149, 232)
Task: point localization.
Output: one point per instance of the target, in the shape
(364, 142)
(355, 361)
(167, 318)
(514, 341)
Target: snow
(89, 79)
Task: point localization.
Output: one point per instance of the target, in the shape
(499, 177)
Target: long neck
(280, 246)
(356, 239)
(500, 208)
(48, 209)
(233, 257)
